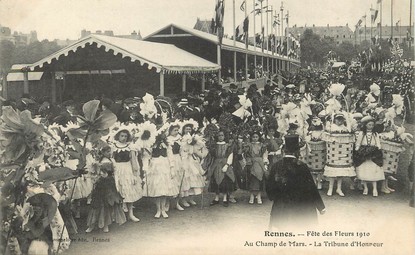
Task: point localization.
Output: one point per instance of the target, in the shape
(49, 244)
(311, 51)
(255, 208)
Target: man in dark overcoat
(291, 187)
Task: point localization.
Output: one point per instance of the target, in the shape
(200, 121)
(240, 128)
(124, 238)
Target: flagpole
(380, 29)
(268, 38)
(282, 30)
(287, 33)
(246, 43)
(234, 42)
(273, 40)
(262, 40)
(253, 1)
(365, 28)
(392, 20)
(371, 24)
(410, 25)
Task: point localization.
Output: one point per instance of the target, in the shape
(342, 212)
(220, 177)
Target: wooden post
(184, 83)
(234, 66)
(203, 82)
(53, 88)
(62, 88)
(219, 63)
(5, 85)
(25, 82)
(161, 83)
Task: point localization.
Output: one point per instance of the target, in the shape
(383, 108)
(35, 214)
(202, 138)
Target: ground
(385, 221)
(388, 219)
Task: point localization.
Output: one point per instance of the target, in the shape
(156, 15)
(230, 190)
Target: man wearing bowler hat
(291, 187)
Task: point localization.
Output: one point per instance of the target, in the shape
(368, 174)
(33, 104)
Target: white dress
(191, 162)
(159, 179)
(127, 178)
(368, 170)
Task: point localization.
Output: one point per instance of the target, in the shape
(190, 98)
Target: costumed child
(127, 178)
(369, 159)
(159, 181)
(338, 125)
(315, 134)
(274, 144)
(193, 150)
(83, 185)
(173, 141)
(257, 166)
(220, 172)
(106, 201)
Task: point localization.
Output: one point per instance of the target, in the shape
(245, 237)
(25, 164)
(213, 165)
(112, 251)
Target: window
(337, 36)
(344, 36)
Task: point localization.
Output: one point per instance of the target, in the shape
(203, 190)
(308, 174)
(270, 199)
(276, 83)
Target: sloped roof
(163, 57)
(227, 43)
(32, 76)
(203, 25)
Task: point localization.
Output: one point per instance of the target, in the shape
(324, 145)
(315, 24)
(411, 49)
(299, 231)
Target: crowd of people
(174, 150)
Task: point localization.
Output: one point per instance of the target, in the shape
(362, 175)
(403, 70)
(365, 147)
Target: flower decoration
(332, 106)
(306, 103)
(243, 112)
(397, 101)
(148, 108)
(375, 89)
(91, 125)
(192, 122)
(146, 136)
(19, 134)
(336, 89)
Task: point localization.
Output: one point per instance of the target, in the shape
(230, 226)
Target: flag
(276, 20)
(242, 29)
(359, 23)
(258, 39)
(397, 25)
(213, 26)
(242, 6)
(374, 14)
(286, 18)
(219, 11)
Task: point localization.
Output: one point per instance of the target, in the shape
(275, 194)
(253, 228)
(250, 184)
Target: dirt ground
(386, 223)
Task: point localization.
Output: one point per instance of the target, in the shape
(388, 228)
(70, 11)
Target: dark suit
(296, 198)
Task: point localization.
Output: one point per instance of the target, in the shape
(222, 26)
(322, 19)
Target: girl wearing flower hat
(126, 172)
(369, 156)
(106, 200)
(159, 182)
(257, 165)
(192, 151)
(177, 170)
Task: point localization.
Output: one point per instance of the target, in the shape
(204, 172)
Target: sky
(62, 19)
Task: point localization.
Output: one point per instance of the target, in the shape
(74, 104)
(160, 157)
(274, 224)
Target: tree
(35, 51)
(7, 49)
(314, 49)
(346, 51)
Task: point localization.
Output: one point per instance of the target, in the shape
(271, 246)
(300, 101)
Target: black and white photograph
(207, 127)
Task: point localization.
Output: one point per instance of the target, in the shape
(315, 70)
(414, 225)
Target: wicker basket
(391, 152)
(303, 154)
(339, 149)
(316, 159)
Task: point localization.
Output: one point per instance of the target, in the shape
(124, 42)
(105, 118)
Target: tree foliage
(11, 54)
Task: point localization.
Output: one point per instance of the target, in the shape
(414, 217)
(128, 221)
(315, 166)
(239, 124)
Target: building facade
(340, 34)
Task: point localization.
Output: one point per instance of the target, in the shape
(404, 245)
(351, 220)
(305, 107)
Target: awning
(164, 58)
(227, 44)
(32, 76)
